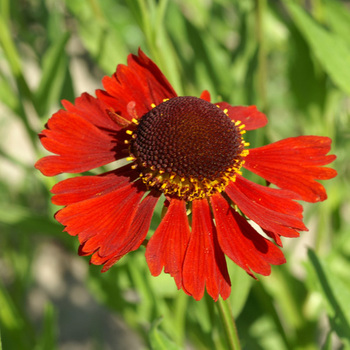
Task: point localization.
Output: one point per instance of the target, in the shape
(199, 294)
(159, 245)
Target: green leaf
(9, 48)
(9, 315)
(47, 339)
(239, 295)
(331, 50)
(328, 343)
(53, 75)
(104, 34)
(338, 17)
(159, 340)
(336, 295)
(16, 218)
(8, 95)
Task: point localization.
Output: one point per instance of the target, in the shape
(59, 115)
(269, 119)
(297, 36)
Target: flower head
(188, 153)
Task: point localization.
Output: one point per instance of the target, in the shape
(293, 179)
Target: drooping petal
(141, 81)
(240, 242)
(294, 164)
(168, 245)
(249, 116)
(272, 209)
(136, 235)
(83, 188)
(79, 145)
(205, 263)
(78, 189)
(102, 222)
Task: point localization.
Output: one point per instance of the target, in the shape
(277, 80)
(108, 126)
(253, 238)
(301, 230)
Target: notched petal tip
(204, 265)
(295, 164)
(166, 248)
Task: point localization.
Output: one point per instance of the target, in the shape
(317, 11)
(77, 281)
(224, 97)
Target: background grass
(290, 58)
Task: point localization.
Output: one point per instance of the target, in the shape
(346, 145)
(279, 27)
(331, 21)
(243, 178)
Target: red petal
(272, 209)
(249, 116)
(205, 95)
(103, 221)
(204, 261)
(140, 81)
(241, 243)
(80, 188)
(92, 110)
(79, 145)
(294, 164)
(136, 235)
(168, 245)
(275, 236)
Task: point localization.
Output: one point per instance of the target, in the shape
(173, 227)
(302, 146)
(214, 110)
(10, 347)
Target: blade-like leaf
(239, 295)
(159, 340)
(338, 17)
(47, 340)
(52, 79)
(331, 50)
(336, 295)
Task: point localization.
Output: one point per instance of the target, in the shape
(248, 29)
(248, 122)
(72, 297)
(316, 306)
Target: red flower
(191, 152)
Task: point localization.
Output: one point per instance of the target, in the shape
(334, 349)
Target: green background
(289, 58)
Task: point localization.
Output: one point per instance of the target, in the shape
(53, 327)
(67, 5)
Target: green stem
(229, 324)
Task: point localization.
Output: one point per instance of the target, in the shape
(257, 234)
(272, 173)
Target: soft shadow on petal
(270, 208)
(241, 243)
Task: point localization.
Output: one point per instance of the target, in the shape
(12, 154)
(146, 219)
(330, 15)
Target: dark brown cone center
(189, 137)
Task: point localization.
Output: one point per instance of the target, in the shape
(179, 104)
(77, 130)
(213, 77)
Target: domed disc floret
(188, 148)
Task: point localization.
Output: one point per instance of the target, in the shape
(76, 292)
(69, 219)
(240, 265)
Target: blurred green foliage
(290, 58)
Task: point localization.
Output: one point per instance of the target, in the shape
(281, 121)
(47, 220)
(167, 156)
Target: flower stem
(229, 324)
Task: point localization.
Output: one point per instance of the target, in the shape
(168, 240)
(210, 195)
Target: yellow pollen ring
(191, 188)
(188, 188)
